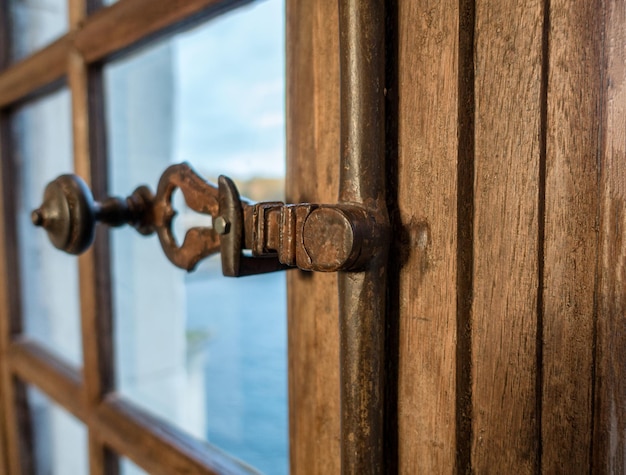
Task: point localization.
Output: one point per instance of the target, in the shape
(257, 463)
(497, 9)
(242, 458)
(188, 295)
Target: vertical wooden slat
(4, 390)
(313, 175)
(13, 406)
(96, 334)
(28, 462)
(425, 239)
(77, 12)
(16, 428)
(573, 116)
(77, 80)
(4, 438)
(508, 94)
(609, 451)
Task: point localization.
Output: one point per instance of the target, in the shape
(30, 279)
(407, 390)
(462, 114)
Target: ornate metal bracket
(308, 236)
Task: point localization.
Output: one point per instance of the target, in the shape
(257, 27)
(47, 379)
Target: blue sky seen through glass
(222, 124)
(202, 351)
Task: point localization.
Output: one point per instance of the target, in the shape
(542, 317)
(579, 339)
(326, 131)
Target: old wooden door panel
(609, 454)
(570, 239)
(504, 326)
(313, 176)
(506, 144)
(425, 242)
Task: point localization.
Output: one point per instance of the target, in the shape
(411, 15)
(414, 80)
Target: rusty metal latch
(309, 236)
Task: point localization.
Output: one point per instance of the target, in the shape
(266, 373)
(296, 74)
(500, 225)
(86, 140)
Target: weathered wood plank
(425, 236)
(572, 141)
(313, 175)
(609, 451)
(508, 88)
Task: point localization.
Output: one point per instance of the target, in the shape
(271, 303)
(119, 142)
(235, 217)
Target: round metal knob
(68, 214)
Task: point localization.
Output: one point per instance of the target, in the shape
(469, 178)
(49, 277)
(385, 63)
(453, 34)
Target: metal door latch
(308, 236)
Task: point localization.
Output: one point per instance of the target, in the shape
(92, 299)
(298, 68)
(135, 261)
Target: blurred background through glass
(205, 352)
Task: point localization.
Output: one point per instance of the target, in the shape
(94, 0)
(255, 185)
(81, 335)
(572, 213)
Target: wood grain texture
(573, 115)
(508, 65)
(495, 287)
(609, 451)
(425, 234)
(313, 152)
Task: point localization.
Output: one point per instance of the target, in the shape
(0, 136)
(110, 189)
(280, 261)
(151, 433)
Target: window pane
(129, 468)
(49, 278)
(35, 23)
(205, 352)
(60, 441)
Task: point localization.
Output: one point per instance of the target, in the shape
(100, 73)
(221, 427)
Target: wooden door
(505, 142)
(505, 148)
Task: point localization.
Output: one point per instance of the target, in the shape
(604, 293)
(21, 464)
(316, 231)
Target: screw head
(220, 225)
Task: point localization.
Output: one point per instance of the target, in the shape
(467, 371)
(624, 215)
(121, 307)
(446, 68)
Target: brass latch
(308, 236)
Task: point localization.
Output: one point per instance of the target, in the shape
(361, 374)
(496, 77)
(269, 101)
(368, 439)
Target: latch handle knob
(69, 213)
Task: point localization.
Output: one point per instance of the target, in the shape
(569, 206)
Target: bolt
(221, 225)
(37, 217)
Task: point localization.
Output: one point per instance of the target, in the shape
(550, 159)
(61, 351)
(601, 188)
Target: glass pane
(35, 23)
(49, 278)
(60, 440)
(129, 468)
(205, 352)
